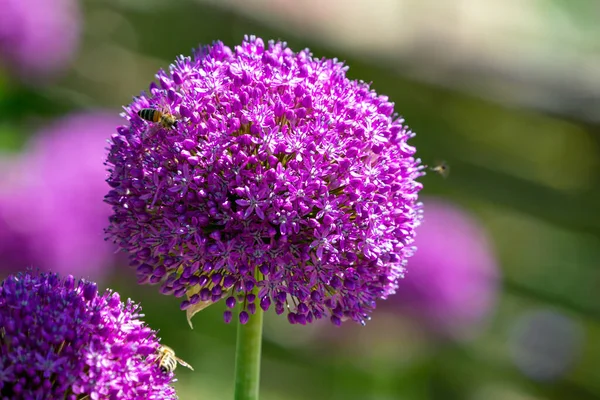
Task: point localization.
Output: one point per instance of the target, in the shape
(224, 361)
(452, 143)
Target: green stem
(247, 357)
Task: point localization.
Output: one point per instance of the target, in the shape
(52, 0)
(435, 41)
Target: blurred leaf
(22, 102)
(574, 212)
(542, 296)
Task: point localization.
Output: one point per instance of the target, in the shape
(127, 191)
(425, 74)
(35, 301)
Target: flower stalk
(247, 357)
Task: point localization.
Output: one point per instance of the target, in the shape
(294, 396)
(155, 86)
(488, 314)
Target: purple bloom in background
(15, 246)
(61, 339)
(284, 184)
(452, 281)
(38, 37)
(15, 249)
(55, 209)
(546, 344)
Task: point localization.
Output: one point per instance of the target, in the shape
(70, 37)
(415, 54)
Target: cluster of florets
(283, 184)
(61, 339)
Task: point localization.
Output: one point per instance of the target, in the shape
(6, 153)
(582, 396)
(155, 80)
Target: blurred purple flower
(61, 339)
(54, 210)
(15, 249)
(546, 344)
(38, 38)
(452, 281)
(284, 184)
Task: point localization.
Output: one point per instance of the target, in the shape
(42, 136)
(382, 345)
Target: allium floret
(284, 184)
(61, 339)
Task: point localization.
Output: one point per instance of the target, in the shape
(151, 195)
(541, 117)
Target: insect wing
(151, 131)
(183, 363)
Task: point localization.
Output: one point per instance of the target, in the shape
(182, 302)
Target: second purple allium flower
(61, 339)
(283, 184)
(452, 286)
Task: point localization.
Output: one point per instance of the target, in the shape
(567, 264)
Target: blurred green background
(506, 92)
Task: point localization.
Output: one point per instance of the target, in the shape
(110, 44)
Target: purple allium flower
(15, 247)
(54, 206)
(38, 37)
(284, 185)
(61, 339)
(452, 282)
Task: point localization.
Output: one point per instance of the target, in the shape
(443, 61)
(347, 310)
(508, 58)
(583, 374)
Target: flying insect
(441, 168)
(167, 360)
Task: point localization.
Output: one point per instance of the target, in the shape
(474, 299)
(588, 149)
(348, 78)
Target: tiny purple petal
(227, 316)
(244, 318)
(230, 302)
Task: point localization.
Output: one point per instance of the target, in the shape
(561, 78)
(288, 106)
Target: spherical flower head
(452, 283)
(56, 203)
(38, 38)
(61, 339)
(283, 184)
